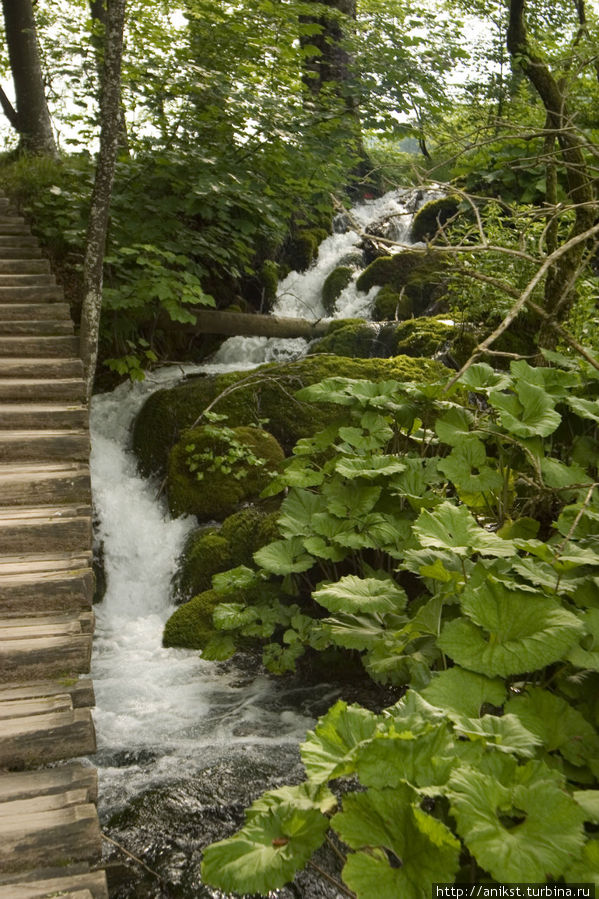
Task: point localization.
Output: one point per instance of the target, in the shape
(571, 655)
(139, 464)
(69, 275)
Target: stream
(184, 745)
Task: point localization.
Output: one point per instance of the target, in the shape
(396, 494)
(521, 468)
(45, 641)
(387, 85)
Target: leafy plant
(450, 540)
(227, 455)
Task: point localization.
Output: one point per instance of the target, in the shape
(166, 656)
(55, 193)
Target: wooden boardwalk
(50, 837)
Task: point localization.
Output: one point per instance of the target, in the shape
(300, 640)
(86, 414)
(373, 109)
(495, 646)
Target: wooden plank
(41, 739)
(30, 658)
(27, 806)
(77, 623)
(47, 445)
(34, 311)
(49, 837)
(23, 708)
(94, 882)
(40, 368)
(23, 785)
(30, 266)
(56, 416)
(24, 529)
(80, 689)
(42, 328)
(67, 389)
(49, 482)
(38, 345)
(30, 293)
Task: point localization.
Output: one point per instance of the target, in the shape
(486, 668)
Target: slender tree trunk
(99, 14)
(31, 117)
(110, 104)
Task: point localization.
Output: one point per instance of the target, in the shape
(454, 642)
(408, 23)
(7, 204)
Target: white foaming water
(157, 707)
(164, 712)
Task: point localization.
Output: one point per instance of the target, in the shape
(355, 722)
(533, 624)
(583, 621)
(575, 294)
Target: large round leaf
(354, 594)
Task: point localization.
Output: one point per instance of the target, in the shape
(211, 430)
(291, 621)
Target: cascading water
(217, 734)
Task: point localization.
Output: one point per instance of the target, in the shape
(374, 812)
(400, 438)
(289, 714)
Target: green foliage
(410, 534)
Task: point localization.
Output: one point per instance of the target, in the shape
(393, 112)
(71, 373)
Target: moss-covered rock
(266, 393)
(203, 480)
(391, 304)
(247, 531)
(190, 626)
(333, 286)
(430, 336)
(359, 339)
(433, 215)
(303, 247)
(269, 278)
(420, 277)
(206, 552)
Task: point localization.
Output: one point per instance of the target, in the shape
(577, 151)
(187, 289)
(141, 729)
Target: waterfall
(165, 714)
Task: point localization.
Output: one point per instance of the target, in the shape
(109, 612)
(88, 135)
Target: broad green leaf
(508, 631)
(233, 580)
(350, 500)
(354, 594)
(528, 413)
(408, 850)
(397, 757)
(453, 428)
(552, 380)
(481, 378)
(588, 409)
(588, 800)
(358, 631)
(267, 852)
(304, 795)
(464, 691)
(586, 868)
(466, 467)
(219, 648)
(586, 655)
(558, 725)
(585, 521)
(296, 513)
(322, 549)
(524, 828)
(330, 750)
(453, 528)
(371, 467)
(505, 733)
(284, 557)
(557, 474)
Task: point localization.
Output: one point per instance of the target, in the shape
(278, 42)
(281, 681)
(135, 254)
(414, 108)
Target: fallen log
(230, 324)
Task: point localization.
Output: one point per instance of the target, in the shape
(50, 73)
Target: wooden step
(41, 655)
(62, 529)
(34, 312)
(20, 252)
(24, 708)
(69, 390)
(13, 225)
(34, 346)
(25, 785)
(31, 584)
(18, 240)
(13, 219)
(39, 294)
(80, 689)
(75, 886)
(24, 266)
(60, 482)
(42, 739)
(40, 368)
(26, 280)
(16, 627)
(44, 445)
(41, 328)
(21, 416)
(48, 831)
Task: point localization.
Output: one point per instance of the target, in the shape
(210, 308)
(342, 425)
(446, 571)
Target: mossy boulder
(333, 286)
(269, 279)
(432, 336)
(391, 304)
(302, 249)
(202, 479)
(432, 216)
(419, 277)
(190, 626)
(208, 551)
(267, 393)
(359, 339)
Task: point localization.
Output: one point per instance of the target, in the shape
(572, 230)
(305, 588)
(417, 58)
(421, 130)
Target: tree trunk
(110, 105)
(232, 324)
(31, 117)
(560, 280)
(99, 14)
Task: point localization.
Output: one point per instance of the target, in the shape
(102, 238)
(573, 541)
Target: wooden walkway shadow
(49, 832)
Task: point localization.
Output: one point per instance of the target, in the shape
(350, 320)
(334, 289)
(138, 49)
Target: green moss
(205, 553)
(269, 276)
(303, 247)
(433, 214)
(391, 304)
(419, 276)
(423, 336)
(356, 339)
(190, 626)
(334, 284)
(219, 492)
(267, 394)
(247, 531)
